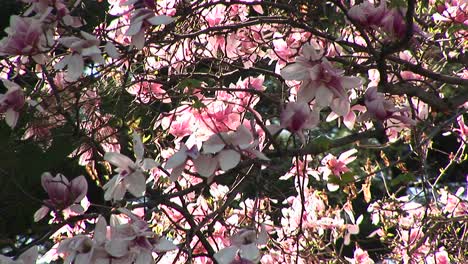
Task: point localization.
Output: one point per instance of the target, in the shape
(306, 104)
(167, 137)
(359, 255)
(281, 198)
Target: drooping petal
(100, 230)
(177, 159)
(295, 71)
(136, 183)
(164, 245)
(11, 117)
(228, 159)
(79, 188)
(214, 144)
(205, 165)
(250, 252)
(340, 106)
(29, 256)
(242, 137)
(226, 255)
(160, 20)
(176, 172)
(117, 247)
(138, 147)
(323, 96)
(41, 213)
(119, 160)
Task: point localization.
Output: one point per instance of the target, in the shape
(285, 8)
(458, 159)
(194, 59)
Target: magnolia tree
(235, 131)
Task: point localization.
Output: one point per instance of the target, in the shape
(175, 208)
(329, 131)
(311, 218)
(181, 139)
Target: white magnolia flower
(130, 174)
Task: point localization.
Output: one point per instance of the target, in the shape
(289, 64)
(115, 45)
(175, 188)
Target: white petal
(28, 257)
(138, 40)
(134, 28)
(226, 255)
(91, 51)
(295, 71)
(75, 68)
(176, 172)
(214, 144)
(177, 159)
(144, 258)
(100, 230)
(323, 96)
(112, 50)
(136, 183)
(11, 117)
(250, 252)
(149, 164)
(164, 245)
(160, 20)
(228, 159)
(205, 165)
(340, 106)
(119, 160)
(41, 213)
(258, 154)
(242, 137)
(117, 247)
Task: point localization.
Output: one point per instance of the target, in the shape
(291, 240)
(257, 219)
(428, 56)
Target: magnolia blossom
(462, 129)
(11, 102)
(297, 117)
(380, 108)
(360, 257)
(367, 14)
(141, 19)
(63, 194)
(81, 249)
(28, 257)
(320, 81)
(244, 247)
(228, 147)
(88, 46)
(130, 174)
(26, 36)
(336, 166)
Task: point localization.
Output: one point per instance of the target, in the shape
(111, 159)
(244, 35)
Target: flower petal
(228, 159)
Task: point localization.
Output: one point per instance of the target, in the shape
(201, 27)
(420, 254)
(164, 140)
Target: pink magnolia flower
(380, 108)
(336, 166)
(26, 36)
(244, 247)
(63, 194)
(297, 116)
(349, 119)
(360, 257)
(367, 14)
(130, 174)
(462, 129)
(81, 249)
(28, 257)
(440, 257)
(320, 81)
(146, 92)
(11, 102)
(134, 242)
